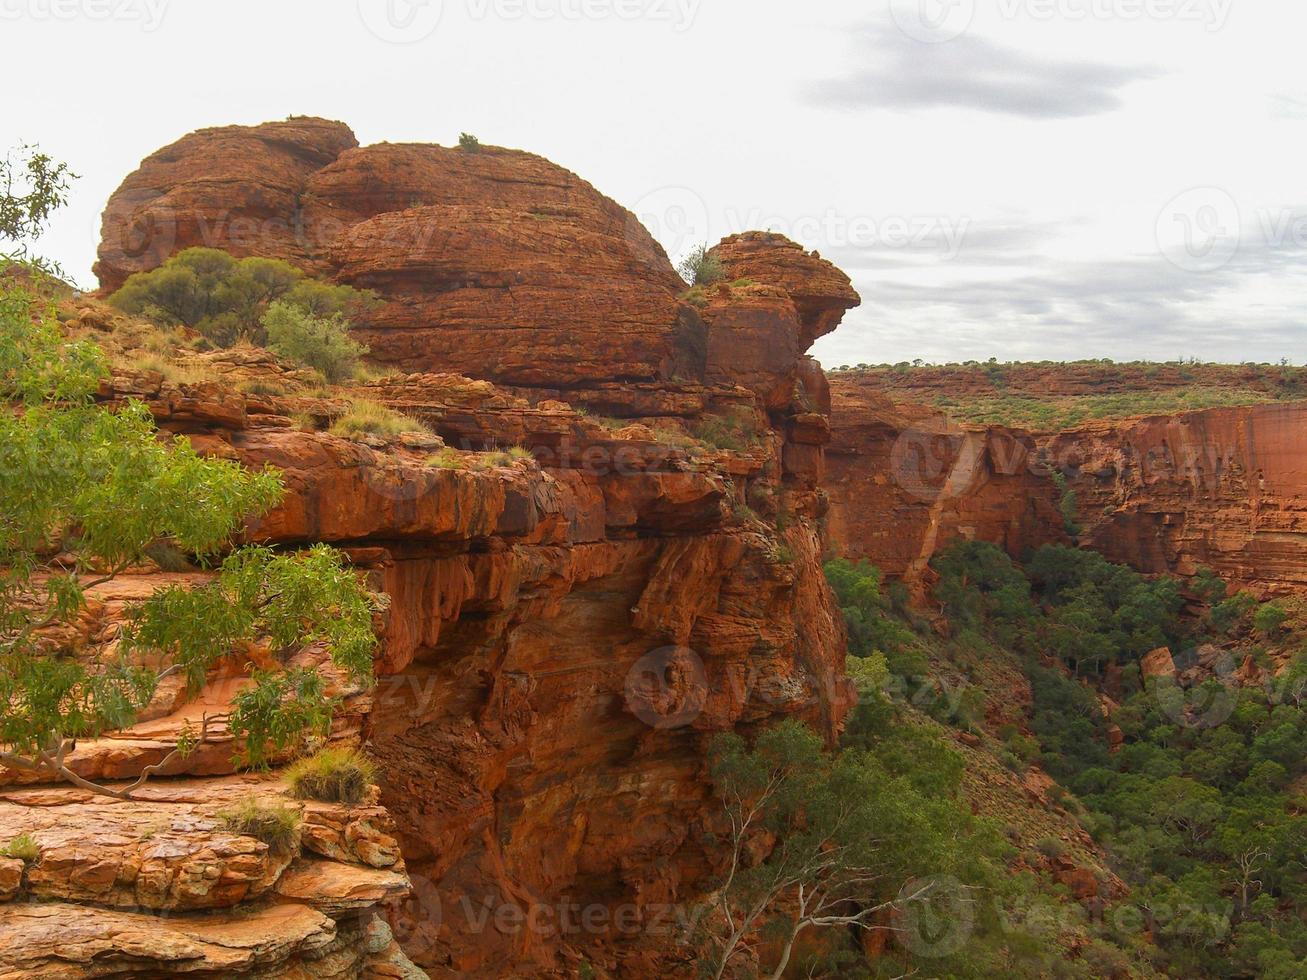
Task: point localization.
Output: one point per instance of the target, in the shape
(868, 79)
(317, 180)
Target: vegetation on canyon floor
(1198, 810)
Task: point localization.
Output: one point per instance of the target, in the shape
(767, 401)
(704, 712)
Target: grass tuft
(332, 775)
(24, 847)
(276, 826)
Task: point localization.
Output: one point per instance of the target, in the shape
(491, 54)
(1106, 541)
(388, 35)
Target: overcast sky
(1021, 179)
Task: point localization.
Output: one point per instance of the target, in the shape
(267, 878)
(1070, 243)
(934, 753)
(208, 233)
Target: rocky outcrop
(493, 263)
(239, 188)
(1224, 488)
(569, 626)
(160, 886)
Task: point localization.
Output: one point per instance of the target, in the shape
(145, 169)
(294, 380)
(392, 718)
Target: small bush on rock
(321, 342)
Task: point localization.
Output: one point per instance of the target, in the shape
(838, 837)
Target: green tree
(850, 828)
(85, 492)
(32, 187)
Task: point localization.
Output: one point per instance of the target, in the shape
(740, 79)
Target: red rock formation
(1224, 487)
(495, 263)
(1221, 487)
(565, 634)
(235, 187)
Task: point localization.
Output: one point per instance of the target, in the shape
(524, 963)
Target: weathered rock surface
(1222, 487)
(495, 263)
(159, 886)
(566, 632)
(905, 483)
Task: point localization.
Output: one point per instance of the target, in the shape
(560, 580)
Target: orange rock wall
(565, 636)
(1223, 487)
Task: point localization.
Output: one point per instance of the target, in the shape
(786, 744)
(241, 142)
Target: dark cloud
(970, 72)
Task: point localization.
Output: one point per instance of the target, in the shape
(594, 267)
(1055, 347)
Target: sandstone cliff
(565, 633)
(1220, 487)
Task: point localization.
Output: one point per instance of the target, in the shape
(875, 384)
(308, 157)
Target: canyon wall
(1223, 487)
(905, 482)
(569, 627)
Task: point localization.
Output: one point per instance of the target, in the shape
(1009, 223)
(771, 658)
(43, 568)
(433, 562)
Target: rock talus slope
(565, 633)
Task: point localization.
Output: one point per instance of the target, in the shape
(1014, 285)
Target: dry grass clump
(332, 775)
(276, 826)
(372, 418)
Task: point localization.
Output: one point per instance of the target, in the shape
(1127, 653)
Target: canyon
(566, 629)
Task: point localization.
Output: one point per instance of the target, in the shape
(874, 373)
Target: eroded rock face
(496, 263)
(239, 188)
(1224, 487)
(905, 483)
(567, 629)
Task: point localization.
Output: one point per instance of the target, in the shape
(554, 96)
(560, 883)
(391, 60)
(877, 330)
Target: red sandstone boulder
(821, 292)
(495, 263)
(1157, 663)
(238, 188)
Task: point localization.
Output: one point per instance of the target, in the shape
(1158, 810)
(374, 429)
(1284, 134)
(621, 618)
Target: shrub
(23, 847)
(520, 452)
(1233, 611)
(1050, 847)
(447, 459)
(466, 141)
(1269, 618)
(731, 432)
(333, 775)
(225, 298)
(371, 418)
(276, 826)
(320, 342)
(701, 267)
